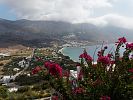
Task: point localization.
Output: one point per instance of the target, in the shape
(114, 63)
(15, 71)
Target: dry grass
(1, 67)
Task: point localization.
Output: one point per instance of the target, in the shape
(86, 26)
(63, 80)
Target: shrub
(23, 89)
(111, 78)
(3, 92)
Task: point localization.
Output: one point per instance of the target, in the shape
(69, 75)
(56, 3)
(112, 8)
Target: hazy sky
(98, 12)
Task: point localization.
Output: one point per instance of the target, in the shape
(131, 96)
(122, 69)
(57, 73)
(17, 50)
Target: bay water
(74, 52)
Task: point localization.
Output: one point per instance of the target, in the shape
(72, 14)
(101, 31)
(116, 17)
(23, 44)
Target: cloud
(112, 19)
(75, 11)
(64, 10)
(120, 21)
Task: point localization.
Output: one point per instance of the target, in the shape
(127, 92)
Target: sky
(98, 12)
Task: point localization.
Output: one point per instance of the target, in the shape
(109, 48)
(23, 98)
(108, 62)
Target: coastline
(74, 52)
(61, 50)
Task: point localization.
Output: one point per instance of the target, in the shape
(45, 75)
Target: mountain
(36, 33)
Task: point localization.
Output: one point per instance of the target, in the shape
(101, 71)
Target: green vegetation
(8, 68)
(34, 86)
(3, 92)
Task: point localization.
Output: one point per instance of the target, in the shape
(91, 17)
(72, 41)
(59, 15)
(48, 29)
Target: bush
(3, 92)
(111, 78)
(37, 87)
(23, 89)
(26, 80)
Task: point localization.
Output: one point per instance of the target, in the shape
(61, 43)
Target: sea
(74, 52)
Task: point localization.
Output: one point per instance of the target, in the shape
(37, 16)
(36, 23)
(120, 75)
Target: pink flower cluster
(36, 70)
(105, 98)
(99, 53)
(129, 46)
(78, 90)
(66, 74)
(104, 60)
(55, 98)
(80, 75)
(86, 56)
(54, 68)
(121, 40)
(130, 70)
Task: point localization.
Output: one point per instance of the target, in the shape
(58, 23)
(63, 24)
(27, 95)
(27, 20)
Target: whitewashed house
(4, 55)
(13, 89)
(6, 79)
(22, 63)
(73, 74)
(16, 69)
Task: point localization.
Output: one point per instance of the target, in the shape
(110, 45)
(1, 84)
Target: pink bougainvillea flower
(109, 55)
(104, 60)
(86, 56)
(131, 77)
(78, 90)
(53, 68)
(129, 46)
(36, 70)
(66, 74)
(105, 98)
(112, 62)
(78, 64)
(80, 75)
(55, 98)
(120, 58)
(121, 40)
(130, 70)
(48, 64)
(99, 53)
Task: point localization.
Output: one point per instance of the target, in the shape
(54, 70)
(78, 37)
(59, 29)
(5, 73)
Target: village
(16, 67)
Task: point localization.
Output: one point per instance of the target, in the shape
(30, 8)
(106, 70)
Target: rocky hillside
(34, 33)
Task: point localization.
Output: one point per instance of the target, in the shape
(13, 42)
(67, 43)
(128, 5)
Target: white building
(4, 55)
(16, 69)
(6, 79)
(22, 63)
(13, 89)
(73, 74)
